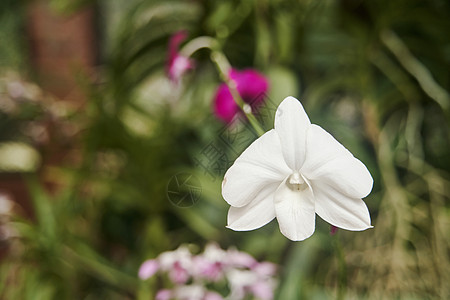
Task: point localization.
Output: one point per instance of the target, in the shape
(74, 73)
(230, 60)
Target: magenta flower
(177, 64)
(333, 230)
(251, 86)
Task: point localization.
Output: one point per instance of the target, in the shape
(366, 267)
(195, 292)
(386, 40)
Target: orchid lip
(296, 181)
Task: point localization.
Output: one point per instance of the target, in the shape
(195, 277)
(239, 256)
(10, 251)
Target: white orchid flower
(293, 172)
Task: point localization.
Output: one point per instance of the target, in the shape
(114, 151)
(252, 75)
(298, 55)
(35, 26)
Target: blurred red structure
(62, 47)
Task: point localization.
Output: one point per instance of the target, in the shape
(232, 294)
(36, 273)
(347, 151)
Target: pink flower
(210, 265)
(163, 295)
(265, 269)
(243, 282)
(240, 259)
(148, 269)
(212, 296)
(178, 274)
(251, 86)
(190, 292)
(212, 270)
(192, 276)
(177, 263)
(177, 64)
(262, 290)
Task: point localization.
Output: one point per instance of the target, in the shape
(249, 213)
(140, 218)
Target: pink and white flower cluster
(189, 275)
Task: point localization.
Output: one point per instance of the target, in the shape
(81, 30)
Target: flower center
(297, 182)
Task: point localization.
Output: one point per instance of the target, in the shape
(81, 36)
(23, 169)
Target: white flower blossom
(293, 172)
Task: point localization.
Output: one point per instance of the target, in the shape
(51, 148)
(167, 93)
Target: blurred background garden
(107, 106)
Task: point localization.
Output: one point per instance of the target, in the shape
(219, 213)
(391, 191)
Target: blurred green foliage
(12, 44)
(373, 73)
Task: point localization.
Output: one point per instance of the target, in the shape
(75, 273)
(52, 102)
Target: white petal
(291, 124)
(329, 162)
(340, 210)
(259, 165)
(295, 212)
(256, 214)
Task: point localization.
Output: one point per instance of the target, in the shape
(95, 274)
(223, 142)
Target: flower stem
(223, 66)
(199, 43)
